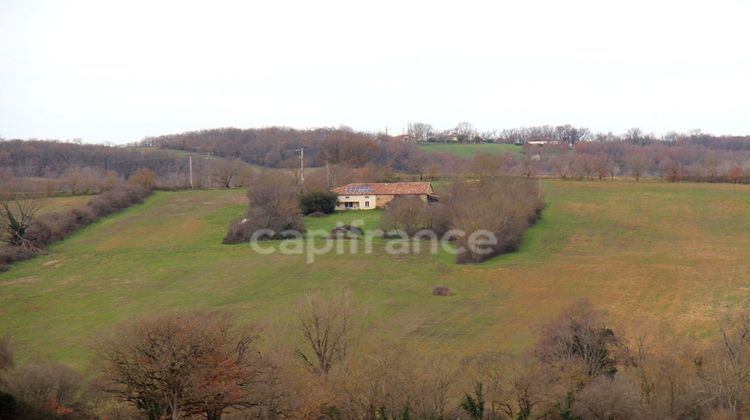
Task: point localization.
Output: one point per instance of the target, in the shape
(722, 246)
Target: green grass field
(643, 252)
(469, 150)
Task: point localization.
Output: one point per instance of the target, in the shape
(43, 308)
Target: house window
(367, 204)
(367, 196)
(348, 204)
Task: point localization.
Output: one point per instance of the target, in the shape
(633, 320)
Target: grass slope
(469, 150)
(644, 252)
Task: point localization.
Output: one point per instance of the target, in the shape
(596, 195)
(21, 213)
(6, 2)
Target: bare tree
(326, 327)
(665, 380)
(225, 172)
(74, 178)
(571, 135)
(465, 131)
(179, 365)
(671, 170)
(562, 165)
(579, 335)
(634, 135)
(637, 162)
(512, 383)
(608, 398)
(294, 167)
(16, 217)
(392, 381)
(736, 174)
(603, 166)
(46, 390)
(726, 369)
(420, 131)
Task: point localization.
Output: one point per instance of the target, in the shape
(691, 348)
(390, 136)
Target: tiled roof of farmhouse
(385, 188)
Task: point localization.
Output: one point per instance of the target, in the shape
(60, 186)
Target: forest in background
(228, 157)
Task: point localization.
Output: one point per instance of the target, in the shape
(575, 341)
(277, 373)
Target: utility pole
(328, 176)
(301, 165)
(190, 164)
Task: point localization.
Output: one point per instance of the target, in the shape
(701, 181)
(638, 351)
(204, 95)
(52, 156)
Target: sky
(118, 71)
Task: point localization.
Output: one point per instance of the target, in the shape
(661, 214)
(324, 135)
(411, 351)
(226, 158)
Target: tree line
(278, 147)
(229, 157)
(53, 168)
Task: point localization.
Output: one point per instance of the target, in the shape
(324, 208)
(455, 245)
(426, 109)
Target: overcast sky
(121, 70)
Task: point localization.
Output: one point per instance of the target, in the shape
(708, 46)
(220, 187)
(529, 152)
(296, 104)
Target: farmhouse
(542, 142)
(368, 196)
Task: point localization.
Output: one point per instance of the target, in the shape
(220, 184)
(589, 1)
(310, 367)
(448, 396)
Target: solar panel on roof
(359, 190)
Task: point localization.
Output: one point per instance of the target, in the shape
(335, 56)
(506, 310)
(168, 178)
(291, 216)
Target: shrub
(282, 226)
(83, 215)
(346, 232)
(579, 335)
(318, 202)
(504, 206)
(13, 254)
(408, 214)
(52, 227)
(144, 178)
(46, 390)
(441, 291)
(273, 204)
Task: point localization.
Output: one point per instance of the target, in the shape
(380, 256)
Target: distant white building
(542, 142)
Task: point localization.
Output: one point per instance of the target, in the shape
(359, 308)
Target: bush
(504, 206)
(408, 214)
(282, 226)
(13, 254)
(144, 178)
(273, 204)
(346, 232)
(46, 390)
(441, 291)
(318, 202)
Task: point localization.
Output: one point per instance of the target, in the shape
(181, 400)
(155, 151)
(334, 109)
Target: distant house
(368, 196)
(542, 142)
